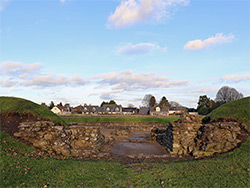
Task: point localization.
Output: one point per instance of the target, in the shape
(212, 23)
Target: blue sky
(87, 51)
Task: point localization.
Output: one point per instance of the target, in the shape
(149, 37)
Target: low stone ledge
(74, 141)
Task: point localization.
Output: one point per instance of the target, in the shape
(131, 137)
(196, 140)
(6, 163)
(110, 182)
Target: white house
(61, 110)
(56, 110)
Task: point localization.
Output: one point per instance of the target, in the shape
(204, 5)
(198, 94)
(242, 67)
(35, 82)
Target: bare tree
(51, 105)
(146, 100)
(164, 102)
(131, 105)
(227, 94)
(174, 104)
(152, 102)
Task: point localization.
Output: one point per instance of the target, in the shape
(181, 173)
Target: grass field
(87, 119)
(23, 166)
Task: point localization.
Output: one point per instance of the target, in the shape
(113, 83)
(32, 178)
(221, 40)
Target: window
(117, 109)
(107, 109)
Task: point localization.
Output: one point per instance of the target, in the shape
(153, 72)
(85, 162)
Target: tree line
(205, 104)
(150, 101)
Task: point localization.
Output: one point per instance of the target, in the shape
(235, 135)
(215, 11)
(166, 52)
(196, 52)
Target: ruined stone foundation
(190, 136)
(76, 141)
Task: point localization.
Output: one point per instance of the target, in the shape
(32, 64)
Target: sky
(89, 51)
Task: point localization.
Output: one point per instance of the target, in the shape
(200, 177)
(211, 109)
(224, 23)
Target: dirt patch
(135, 147)
(130, 148)
(136, 144)
(10, 121)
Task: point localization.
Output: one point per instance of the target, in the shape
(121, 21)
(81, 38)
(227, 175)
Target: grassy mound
(239, 109)
(20, 107)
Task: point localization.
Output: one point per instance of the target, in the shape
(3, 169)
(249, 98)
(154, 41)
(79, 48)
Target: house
(177, 110)
(160, 110)
(112, 109)
(127, 111)
(77, 110)
(56, 110)
(94, 109)
(90, 109)
(144, 110)
(67, 105)
(61, 110)
(192, 111)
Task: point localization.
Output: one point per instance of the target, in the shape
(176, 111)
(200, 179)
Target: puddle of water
(127, 148)
(138, 139)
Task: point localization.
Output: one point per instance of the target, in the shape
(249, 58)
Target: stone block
(24, 125)
(18, 134)
(48, 136)
(59, 128)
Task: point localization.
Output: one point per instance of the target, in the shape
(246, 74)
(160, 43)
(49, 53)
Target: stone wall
(189, 136)
(76, 141)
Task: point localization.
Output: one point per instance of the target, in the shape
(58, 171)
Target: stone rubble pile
(121, 131)
(76, 141)
(189, 136)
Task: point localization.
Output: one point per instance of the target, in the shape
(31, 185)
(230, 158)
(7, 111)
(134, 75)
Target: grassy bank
(93, 119)
(10, 105)
(239, 109)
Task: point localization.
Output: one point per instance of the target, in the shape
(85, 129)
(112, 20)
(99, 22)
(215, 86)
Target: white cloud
(106, 95)
(130, 12)
(3, 3)
(195, 100)
(50, 80)
(30, 75)
(203, 90)
(219, 38)
(7, 83)
(139, 49)
(236, 77)
(129, 81)
(62, 1)
(17, 68)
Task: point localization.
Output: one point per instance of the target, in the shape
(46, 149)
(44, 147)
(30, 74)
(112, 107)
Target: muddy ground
(136, 146)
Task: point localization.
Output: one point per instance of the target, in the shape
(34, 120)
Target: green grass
(239, 109)
(21, 106)
(87, 119)
(23, 166)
